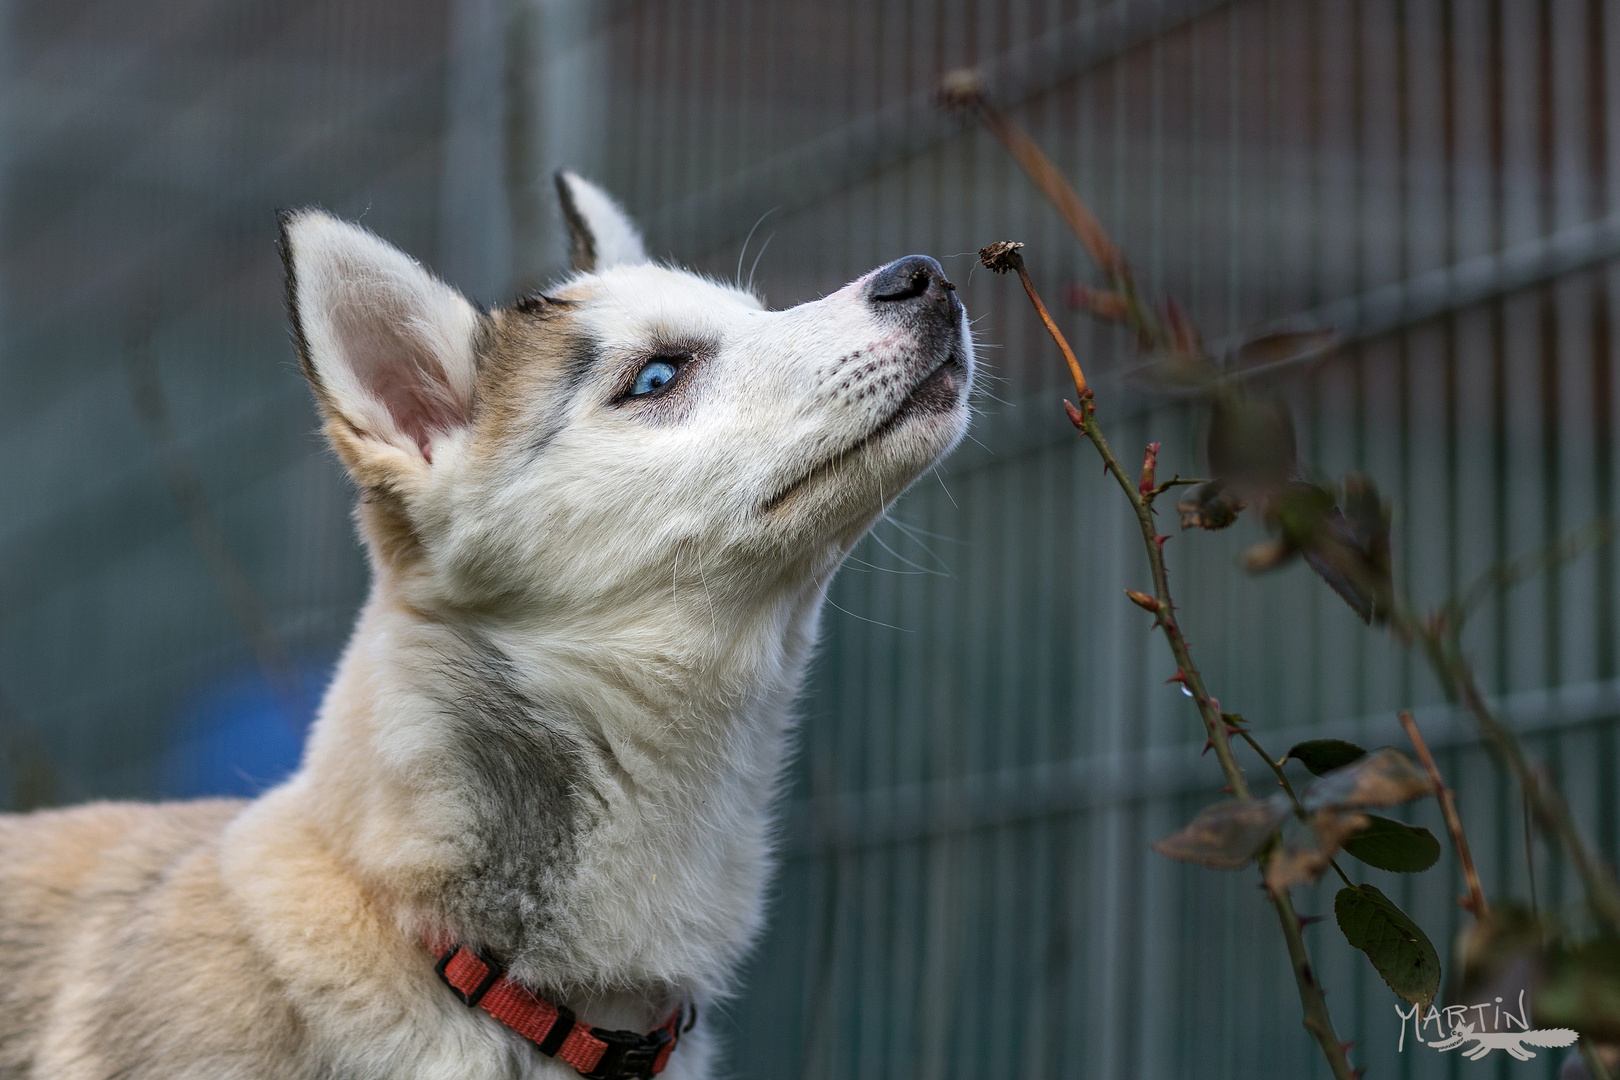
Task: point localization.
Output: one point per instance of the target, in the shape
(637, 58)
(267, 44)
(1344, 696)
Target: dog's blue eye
(652, 378)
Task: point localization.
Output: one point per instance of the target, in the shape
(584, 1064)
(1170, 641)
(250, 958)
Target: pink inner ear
(409, 381)
(420, 407)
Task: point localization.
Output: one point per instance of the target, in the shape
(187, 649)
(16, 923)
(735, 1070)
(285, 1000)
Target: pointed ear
(388, 347)
(600, 234)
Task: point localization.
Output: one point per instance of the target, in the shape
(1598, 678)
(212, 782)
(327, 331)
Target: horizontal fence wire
(989, 746)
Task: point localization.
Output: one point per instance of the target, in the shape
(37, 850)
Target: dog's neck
(593, 811)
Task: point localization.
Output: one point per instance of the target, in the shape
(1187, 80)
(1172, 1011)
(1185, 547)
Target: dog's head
(636, 433)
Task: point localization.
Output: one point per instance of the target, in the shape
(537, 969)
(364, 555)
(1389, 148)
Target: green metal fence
(989, 747)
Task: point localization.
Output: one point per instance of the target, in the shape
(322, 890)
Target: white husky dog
(601, 523)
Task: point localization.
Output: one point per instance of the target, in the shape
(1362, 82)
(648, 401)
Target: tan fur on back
(103, 887)
(601, 524)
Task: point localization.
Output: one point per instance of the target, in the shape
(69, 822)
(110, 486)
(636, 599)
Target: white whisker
(743, 253)
(758, 257)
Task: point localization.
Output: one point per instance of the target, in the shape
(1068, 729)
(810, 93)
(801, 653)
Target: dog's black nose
(909, 278)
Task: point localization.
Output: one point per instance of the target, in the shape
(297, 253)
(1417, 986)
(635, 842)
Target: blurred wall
(144, 353)
(988, 746)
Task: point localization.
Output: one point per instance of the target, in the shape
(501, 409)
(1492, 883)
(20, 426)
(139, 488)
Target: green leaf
(1227, 835)
(1300, 510)
(1324, 755)
(1394, 846)
(1399, 950)
(1349, 548)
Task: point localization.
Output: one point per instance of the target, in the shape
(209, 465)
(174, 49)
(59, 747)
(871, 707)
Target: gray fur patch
(528, 783)
(583, 354)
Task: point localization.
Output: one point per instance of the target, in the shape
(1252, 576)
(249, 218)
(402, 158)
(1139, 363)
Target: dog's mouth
(937, 392)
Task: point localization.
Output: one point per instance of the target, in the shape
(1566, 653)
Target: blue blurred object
(236, 737)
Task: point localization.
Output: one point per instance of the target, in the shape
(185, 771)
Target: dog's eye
(653, 377)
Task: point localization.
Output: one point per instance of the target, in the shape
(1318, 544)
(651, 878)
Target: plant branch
(1312, 999)
(1475, 902)
(1440, 637)
(1282, 781)
(1004, 257)
(1546, 804)
(962, 90)
(1505, 575)
(1282, 777)
(1437, 634)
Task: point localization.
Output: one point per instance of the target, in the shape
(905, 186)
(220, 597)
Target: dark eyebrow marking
(583, 354)
(537, 303)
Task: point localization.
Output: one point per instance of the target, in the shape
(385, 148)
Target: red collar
(596, 1053)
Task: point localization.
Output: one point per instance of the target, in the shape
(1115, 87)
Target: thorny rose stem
(964, 90)
(1475, 903)
(1548, 806)
(1003, 257)
(1439, 638)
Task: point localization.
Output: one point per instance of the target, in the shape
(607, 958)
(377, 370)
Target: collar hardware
(479, 981)
(470, 998)
(629, 1054)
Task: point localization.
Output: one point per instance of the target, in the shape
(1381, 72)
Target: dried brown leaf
(1304, 857)
(1384, 777)
(1226, 836)
(1500, 953)
(1283, 347)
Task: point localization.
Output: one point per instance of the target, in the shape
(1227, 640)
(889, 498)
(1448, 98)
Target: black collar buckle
(630, 1055)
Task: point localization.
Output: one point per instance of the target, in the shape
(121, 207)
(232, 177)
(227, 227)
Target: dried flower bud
(962, 88)
(1002, 257)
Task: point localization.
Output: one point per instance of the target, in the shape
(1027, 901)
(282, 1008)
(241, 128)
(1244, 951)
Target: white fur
(634, 576)
(618, 241)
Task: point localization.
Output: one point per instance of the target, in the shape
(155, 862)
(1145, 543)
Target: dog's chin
(884, 461)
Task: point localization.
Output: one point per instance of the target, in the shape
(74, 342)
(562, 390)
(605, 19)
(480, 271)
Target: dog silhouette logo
(1515, 1044)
